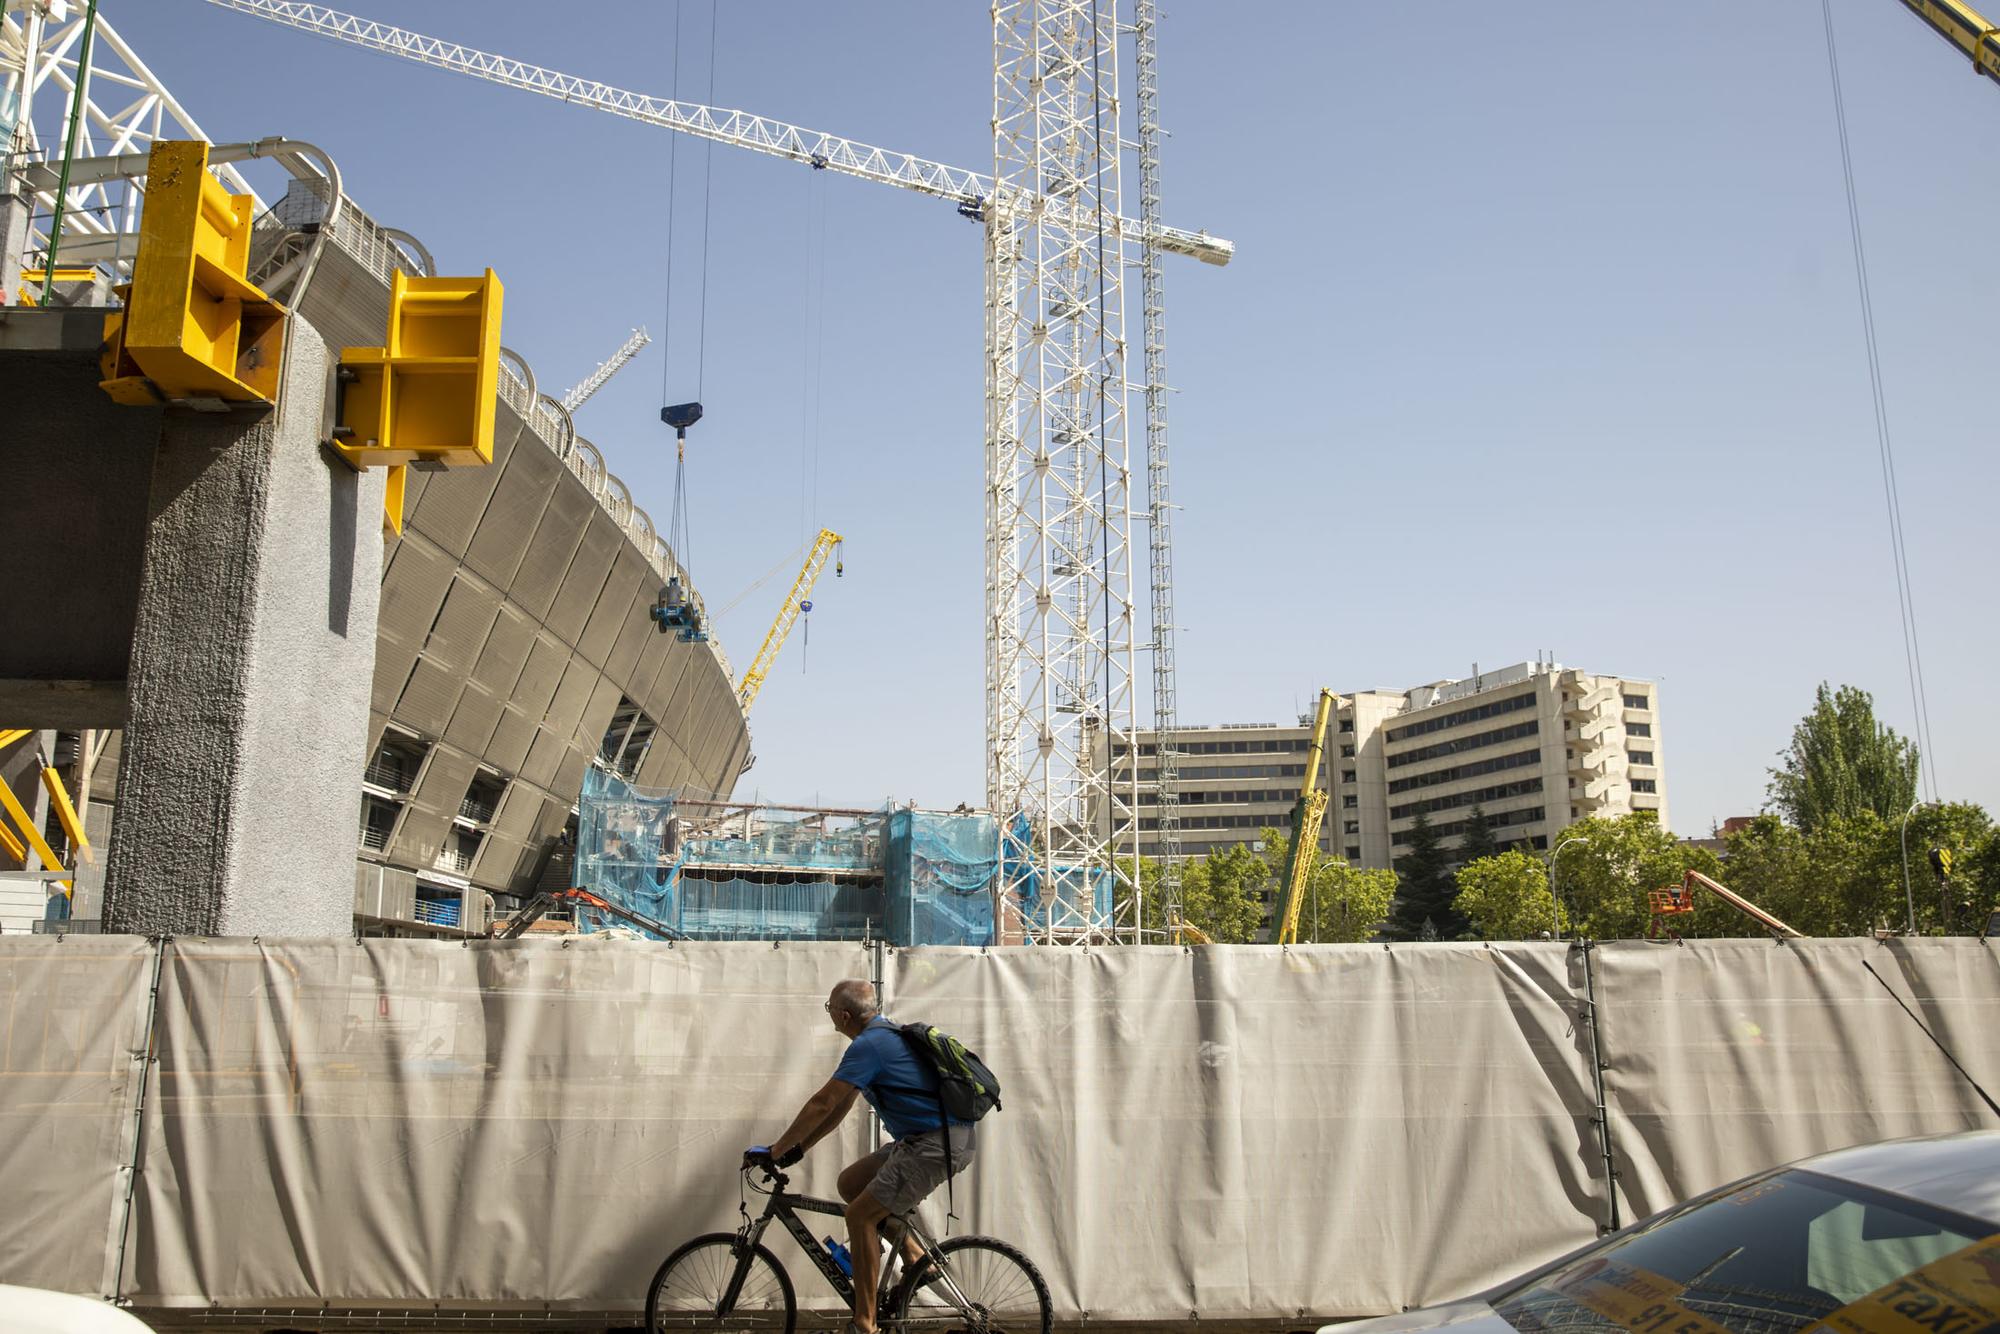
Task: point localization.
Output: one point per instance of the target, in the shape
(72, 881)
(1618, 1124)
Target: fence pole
(147, 1059)
(1601, 1118)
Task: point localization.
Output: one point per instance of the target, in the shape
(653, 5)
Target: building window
(1347, 724)
(395, 763)
(1638, 702)
(1347, 752)
(1639, 729)
(1353, 852)
(1518, 760)
(1512, 704)
(1347, 775)
(627, 740)
(1641, 757)
(1498, 792)
(1645, 785)
(1350, 801)
(1459, 745)
(378, 821)
(1352, 827)
(1531, 815)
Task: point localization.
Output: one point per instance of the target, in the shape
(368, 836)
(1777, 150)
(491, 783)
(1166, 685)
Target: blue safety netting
(910, 877)
(939, 877)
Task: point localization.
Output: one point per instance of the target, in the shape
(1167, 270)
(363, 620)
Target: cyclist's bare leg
(854, 1179)
(864, 1220)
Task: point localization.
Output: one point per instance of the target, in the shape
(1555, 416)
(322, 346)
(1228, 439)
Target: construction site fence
(1243, 1136)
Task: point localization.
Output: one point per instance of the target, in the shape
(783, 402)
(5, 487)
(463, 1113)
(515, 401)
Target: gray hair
(857, 997)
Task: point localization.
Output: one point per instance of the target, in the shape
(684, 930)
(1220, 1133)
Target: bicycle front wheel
(998, 1291)
(687, 1293)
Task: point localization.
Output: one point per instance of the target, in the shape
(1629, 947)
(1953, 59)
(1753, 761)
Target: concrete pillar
(239, 801)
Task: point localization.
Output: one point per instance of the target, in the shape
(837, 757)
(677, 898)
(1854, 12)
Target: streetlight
(1556, 902)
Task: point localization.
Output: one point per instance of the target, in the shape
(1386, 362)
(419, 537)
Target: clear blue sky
(1543, 335)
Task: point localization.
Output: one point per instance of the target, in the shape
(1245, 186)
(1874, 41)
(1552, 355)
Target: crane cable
(1913, 659)
(679, 535)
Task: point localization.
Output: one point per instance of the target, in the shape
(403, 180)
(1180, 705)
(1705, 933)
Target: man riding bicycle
(893, 1180)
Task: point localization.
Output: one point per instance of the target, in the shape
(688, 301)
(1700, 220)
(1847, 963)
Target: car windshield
(1789, 1251)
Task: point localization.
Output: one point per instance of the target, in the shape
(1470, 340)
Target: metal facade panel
(454, 499)
(506, 652)
(545, 756)
(566, 709)
(460, 632)
(497, 547)
(595, 720)
(496, 861)
(429, 698)
(659, 697)
(622, 664)
(507, 749)
(617, 604)
(392, 672)
(519, 805)
(413, 588)
(473, 721)
(445, 778)
(568, 781)
(555, 814)
(585, 580)
(554, 544)
(540, 677)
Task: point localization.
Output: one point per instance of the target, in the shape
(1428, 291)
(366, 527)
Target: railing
(475, 810)
(373, 839)
(451, 859)
(390, 776)
(438, 912)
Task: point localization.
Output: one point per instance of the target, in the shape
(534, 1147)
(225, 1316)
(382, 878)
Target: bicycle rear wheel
(1003, 1291)
(690, 1286)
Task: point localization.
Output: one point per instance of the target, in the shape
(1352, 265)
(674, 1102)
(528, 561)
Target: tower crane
(1965, 28)
(797, 603)
(1307, 813)
(607, 368)
(1060, 602)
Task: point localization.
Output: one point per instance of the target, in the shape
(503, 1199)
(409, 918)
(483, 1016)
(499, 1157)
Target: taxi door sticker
(1956, 1294)
(1636, 1298)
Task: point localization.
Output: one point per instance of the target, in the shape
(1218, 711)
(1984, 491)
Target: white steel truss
(125, 109)
(580, 393)
(1060, 685)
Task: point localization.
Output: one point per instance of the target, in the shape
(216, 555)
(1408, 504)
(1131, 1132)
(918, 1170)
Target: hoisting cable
(1103, 447)
(1913, 659)
(707, 178)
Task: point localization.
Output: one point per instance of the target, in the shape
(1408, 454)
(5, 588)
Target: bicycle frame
(786, 1208)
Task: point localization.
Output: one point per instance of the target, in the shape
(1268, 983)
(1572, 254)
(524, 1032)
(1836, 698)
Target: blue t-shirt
(901, 1089)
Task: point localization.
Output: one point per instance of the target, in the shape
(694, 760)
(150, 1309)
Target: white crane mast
(1059, 579)
(613, 364)
(1159, 497)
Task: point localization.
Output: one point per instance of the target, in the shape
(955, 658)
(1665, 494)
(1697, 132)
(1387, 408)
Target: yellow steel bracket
(66, 813)
(194, 326)
(26, 825)
(36, 277)
(427, 395)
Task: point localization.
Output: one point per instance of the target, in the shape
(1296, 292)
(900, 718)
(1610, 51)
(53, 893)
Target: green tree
(1506, 897)
(1604, 881)
(1958, 907)
(1826, 883)
(1423, 907)
(1477, 841)
(1843, 764)
(1222, 894)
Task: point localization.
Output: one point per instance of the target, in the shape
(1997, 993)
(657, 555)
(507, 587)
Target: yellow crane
(1306, 817)
(797, 603)
(1965, 28)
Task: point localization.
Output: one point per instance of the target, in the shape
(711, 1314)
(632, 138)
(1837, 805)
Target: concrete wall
(251, 656)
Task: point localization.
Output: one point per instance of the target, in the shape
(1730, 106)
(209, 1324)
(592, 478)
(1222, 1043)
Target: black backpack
(966, 1089)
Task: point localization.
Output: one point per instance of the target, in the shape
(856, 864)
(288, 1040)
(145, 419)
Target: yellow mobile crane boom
(1306, 817)
(1965, 28)
(796, 605)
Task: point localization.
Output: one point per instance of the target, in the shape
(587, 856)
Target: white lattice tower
(1060, 675)
(1159, 499)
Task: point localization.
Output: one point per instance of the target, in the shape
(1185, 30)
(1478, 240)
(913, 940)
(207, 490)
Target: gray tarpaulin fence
(1239, 1135)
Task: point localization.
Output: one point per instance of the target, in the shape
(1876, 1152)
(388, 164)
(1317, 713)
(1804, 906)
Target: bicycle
(731, 1280)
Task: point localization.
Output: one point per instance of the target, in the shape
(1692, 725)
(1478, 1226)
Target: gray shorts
(915, 1168)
